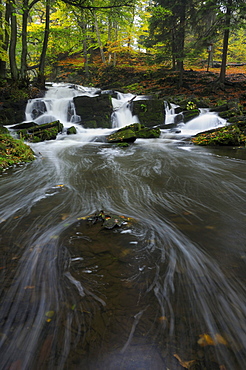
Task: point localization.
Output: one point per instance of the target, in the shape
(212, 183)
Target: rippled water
(165, 289)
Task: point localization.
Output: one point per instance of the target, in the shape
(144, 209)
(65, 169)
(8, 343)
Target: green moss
(13, 151)
(229, 135)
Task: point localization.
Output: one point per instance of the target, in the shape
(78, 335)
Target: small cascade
(170, 113)
(122, 115)
(57, 104)
(205, 121)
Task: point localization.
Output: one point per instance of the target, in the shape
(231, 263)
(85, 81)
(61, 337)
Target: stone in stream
(109, 220)
(130, 133)
(37, 133)
(94, 111)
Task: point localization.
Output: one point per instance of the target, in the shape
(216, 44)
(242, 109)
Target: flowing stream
(164, 291)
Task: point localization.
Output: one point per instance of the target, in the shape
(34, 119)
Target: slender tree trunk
(85, 50)
(41, 78)
(2, 42)
(181, 38)
(23, 68)
(99, 38)
(225, 42)
(12, 46)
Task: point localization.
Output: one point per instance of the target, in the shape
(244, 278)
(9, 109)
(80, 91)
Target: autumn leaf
(185, 364)
(207, 340)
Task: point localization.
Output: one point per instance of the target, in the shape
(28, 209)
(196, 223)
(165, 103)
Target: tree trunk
(225, 42)
(99, 38)
(12, 46)
(181, 38)
(2, 60)
(23, 68)
(85, 51)
(41, 78)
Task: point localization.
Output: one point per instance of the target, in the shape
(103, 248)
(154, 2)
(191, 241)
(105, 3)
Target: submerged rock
(108, 220)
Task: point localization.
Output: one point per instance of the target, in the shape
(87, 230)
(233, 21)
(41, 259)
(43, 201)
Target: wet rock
(24, 125)
(108, 220)
(94, 111)
(71, 130)
(231, 135)
(190, 114)
(127, 135)
(130, 133)
(37, 133)
(150, 112)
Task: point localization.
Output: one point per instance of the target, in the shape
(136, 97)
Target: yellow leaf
(162, 318)
(185, 364)
(207, 340)
(220, 339)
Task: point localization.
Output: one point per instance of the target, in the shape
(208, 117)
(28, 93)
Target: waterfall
(205, 121)
(122, 115)
(57, 104)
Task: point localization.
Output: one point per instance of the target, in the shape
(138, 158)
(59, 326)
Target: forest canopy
(36, 34)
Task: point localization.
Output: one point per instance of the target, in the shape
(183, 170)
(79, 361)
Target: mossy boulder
(131, 132)
(13, 151)
(71, 130)
(94, 111)
(119, 136)
(37, 133)
(151, 112)
(188, 115)
(230, 135)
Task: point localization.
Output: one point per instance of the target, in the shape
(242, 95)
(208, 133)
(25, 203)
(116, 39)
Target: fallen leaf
(29, 287)
(185, 364)
(162, 318)
(207, 340)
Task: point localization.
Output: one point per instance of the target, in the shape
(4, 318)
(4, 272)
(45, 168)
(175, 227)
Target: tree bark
(225, 42)
(13, 41)
(41, 77)
(23, 68)
(181, 39)
(99, 38)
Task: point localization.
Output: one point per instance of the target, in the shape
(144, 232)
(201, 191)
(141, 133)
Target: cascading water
(164, 291)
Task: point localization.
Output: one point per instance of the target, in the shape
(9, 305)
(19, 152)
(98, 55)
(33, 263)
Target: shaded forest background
(137, 45)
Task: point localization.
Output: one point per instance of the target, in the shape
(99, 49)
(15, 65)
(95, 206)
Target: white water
(58, 105)
(121, 300)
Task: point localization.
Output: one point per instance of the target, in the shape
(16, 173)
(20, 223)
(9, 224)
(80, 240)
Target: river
(164, 291)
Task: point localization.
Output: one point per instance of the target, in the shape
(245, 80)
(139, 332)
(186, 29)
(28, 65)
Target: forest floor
(138, 74)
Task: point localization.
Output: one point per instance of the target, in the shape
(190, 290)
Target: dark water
(164, 291)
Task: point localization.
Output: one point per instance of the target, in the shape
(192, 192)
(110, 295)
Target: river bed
(166, 290)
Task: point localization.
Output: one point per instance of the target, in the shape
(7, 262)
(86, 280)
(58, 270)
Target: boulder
(230, 135)
(47, 131)
(150, 112)
(94, 111)
(130, 133)
(188, 115)
(71, 130)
